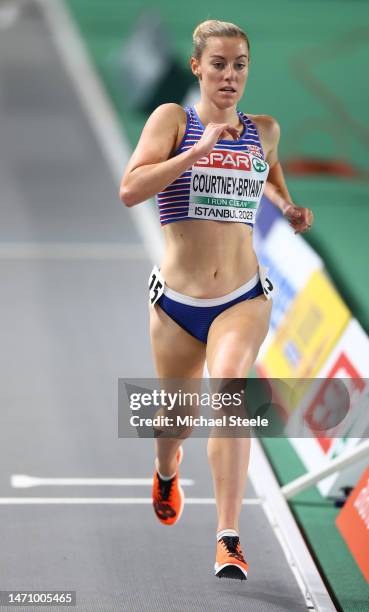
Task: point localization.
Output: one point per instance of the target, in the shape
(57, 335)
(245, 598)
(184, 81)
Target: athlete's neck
(209, 113)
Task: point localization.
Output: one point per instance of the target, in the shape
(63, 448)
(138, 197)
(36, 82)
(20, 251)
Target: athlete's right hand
(212, 133)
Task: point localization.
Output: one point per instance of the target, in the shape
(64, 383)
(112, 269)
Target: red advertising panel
(353, 523)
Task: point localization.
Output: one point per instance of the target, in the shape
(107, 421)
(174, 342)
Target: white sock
(160, 475)
(226, 532)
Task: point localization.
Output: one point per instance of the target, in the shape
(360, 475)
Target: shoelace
(165, 488)
(232, 544)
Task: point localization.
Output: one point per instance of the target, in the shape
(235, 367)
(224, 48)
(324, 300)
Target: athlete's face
(223, 69)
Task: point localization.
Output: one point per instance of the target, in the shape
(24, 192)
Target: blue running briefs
(195, 315)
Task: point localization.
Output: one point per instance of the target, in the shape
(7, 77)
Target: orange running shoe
(168, 496)
(230, 562)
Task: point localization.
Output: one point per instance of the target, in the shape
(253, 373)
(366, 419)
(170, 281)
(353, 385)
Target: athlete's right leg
(176, 354)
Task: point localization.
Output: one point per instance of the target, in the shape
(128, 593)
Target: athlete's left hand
(300, 219)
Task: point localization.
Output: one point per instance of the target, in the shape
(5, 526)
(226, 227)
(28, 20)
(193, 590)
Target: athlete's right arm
(150, 169)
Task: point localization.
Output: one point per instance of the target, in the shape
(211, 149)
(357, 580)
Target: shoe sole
(181, 492)
(230, 570)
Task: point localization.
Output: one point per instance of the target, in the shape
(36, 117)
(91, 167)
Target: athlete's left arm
(300, 218)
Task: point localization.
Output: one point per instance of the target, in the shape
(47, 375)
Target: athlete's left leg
(234, 340)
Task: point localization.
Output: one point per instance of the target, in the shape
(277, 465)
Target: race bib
(156, 285)
(266, 283)
(227, 185)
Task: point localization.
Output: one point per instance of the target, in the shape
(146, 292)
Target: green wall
(309, 70)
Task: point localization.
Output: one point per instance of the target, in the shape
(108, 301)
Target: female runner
(208, 165)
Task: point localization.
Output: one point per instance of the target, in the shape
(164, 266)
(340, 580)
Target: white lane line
(23, 481)
(72, 250)
(103, 119)
(286, 531)
(109, 500)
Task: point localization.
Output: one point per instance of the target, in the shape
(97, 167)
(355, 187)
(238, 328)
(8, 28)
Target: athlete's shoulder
(166, 120)
(169, 111)
(269, 133)
(268, 127)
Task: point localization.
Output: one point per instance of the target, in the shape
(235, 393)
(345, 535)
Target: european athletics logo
(259, 164)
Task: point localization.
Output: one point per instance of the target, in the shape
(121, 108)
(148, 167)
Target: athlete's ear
(195, 67)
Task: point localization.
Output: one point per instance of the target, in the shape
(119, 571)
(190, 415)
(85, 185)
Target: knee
(227, 371)
(235, 367)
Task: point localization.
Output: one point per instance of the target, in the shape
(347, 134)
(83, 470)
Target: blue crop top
(225, 185)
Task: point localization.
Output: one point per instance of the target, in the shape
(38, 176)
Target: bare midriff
(206, 258)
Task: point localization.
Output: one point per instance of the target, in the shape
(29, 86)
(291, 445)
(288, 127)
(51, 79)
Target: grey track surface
(69, 329)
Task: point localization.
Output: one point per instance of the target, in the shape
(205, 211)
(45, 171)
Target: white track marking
(4, 501)
(287, 533)
(103, 118)
(23, 481)
(71, 250)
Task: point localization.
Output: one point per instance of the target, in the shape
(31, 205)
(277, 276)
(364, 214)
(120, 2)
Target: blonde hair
(213, 27)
